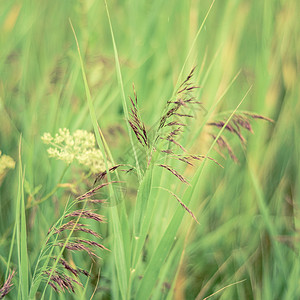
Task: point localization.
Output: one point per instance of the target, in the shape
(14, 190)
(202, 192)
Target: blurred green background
(248, 212)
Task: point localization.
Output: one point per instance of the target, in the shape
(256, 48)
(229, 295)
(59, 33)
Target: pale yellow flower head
(6, 163)
(78, 146)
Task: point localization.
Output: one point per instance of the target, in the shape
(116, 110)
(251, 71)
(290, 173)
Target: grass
(56, 75)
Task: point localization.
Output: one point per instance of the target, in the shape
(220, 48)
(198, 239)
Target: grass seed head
(7, 286)
(62, 281)
(175, 173)
(73, 246)
(235, 125)
(87, 214)
(101, 175)
(137, 124)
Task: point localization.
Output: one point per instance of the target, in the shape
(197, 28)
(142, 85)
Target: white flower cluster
(79, 146)
(6, 163)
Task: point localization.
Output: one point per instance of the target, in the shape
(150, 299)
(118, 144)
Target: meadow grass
(71, 65)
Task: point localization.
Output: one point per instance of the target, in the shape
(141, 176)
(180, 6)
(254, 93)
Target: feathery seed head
(7, 286)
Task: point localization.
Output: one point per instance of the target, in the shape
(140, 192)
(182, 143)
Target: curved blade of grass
(120, 80)
(225, 287)
(161, 252)
(12, 242)
(21, 232)
(121, 245)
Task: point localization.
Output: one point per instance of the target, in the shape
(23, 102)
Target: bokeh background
(248, 212)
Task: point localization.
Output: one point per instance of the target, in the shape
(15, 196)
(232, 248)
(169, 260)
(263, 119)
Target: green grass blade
(120, 247)
(21, 233)
(120, 80)
(12, 242)
(142, 215)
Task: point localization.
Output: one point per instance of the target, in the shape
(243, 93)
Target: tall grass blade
(142, 215)
(119, 250)
(120, 80)
(21, 232)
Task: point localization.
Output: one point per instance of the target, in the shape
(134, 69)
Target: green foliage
(71, 64)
